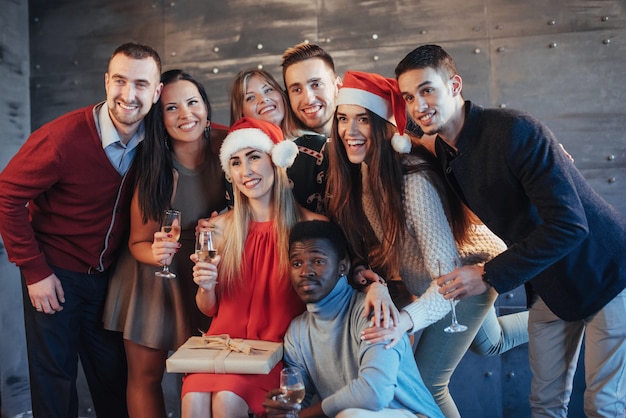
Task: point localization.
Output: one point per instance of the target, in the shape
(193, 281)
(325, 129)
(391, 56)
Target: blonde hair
(285, 214)
(238, 93)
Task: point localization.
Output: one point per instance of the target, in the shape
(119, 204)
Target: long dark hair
(344, 191)
(155, 182)
(385, 177)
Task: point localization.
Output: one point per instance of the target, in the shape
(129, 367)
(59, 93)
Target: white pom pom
(284, 153)
(401, 143)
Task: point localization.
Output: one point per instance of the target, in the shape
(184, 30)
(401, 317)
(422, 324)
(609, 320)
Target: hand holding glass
(454, 326)
(171, 226)
(291, 381)
(205, 251)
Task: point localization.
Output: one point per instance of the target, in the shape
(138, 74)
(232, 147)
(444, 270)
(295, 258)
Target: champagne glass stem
(454, 326)
(171, 224)
(455, 322)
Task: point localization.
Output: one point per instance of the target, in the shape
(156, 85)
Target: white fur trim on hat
(284, 153)
(244, 138)
(401, 143)
(368, 100)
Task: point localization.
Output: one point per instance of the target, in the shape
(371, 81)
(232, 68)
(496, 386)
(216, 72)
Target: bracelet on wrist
(486, 278)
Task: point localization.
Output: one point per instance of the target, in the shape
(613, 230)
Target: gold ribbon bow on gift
(219, 353)
(224, 342)
(226, 345)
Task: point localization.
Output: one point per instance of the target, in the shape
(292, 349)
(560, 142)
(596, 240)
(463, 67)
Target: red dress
(260, 309)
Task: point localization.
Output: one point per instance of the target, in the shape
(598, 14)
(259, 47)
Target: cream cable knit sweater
(428, 240)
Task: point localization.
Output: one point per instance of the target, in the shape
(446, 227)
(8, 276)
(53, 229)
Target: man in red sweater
(63, 215)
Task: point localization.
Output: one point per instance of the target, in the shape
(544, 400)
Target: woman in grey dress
(178, 168)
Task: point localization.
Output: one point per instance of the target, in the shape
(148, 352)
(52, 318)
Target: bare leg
(229, 405)
(196, 405)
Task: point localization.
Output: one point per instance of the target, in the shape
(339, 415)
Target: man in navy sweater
(566, 244)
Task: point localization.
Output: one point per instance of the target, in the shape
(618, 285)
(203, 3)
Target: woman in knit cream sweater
(403, 225)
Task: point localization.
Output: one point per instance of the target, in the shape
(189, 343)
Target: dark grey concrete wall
(561, 60)
(14, 128)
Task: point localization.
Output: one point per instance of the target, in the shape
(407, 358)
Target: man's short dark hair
(307, 230)
(138, 51)
(304, 51)
(428, 56)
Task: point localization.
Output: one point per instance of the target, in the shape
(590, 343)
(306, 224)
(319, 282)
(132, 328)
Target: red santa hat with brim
(259, 135)
(380, 95)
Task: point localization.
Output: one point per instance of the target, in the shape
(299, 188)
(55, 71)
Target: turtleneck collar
(334, 302)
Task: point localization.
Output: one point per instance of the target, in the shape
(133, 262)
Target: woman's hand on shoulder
(207, 224)
(378, 304)
(308, 215)
(376, 334)
(215, 224)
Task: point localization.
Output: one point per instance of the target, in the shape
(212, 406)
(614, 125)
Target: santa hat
(260, 135)
(380, 95)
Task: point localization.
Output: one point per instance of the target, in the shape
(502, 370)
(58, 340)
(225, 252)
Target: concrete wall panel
(533, 17)
(560, 60)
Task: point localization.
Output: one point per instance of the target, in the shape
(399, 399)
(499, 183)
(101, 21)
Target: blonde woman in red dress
(246, 290)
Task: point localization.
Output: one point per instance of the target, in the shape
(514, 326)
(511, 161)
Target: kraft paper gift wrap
(222, 354)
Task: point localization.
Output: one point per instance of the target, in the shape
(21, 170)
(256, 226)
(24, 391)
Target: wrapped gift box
(222, 354)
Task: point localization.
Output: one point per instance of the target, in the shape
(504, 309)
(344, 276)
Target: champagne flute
(205, 250)
(291, 381)
(171, 226)
(454, 326)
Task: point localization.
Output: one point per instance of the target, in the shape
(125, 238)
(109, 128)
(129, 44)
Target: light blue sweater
(325, 344)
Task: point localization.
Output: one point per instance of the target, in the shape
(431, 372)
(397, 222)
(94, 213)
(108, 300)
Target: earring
(207, 132)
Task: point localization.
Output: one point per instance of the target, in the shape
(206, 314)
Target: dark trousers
(55, 342)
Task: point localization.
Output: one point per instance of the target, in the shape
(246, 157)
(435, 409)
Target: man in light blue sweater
(351, 377)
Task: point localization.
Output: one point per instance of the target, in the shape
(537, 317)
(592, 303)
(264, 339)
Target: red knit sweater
(62, 203)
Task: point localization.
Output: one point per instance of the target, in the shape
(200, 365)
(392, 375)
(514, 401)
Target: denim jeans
(384, 413)
(438, 354)
(55, 342)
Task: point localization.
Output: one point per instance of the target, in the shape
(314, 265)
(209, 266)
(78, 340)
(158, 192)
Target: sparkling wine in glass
(205, 250)
(291, 381)
(170, 225)
(454, 326)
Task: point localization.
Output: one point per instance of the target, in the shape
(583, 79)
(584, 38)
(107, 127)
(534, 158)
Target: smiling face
(132, 87)
(312, 88)
(314, 268)
(262, 101)
(355, 131)
(184, 111)
(252, 173)
(431, 100)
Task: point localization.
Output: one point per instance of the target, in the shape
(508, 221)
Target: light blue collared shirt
(121, 155)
